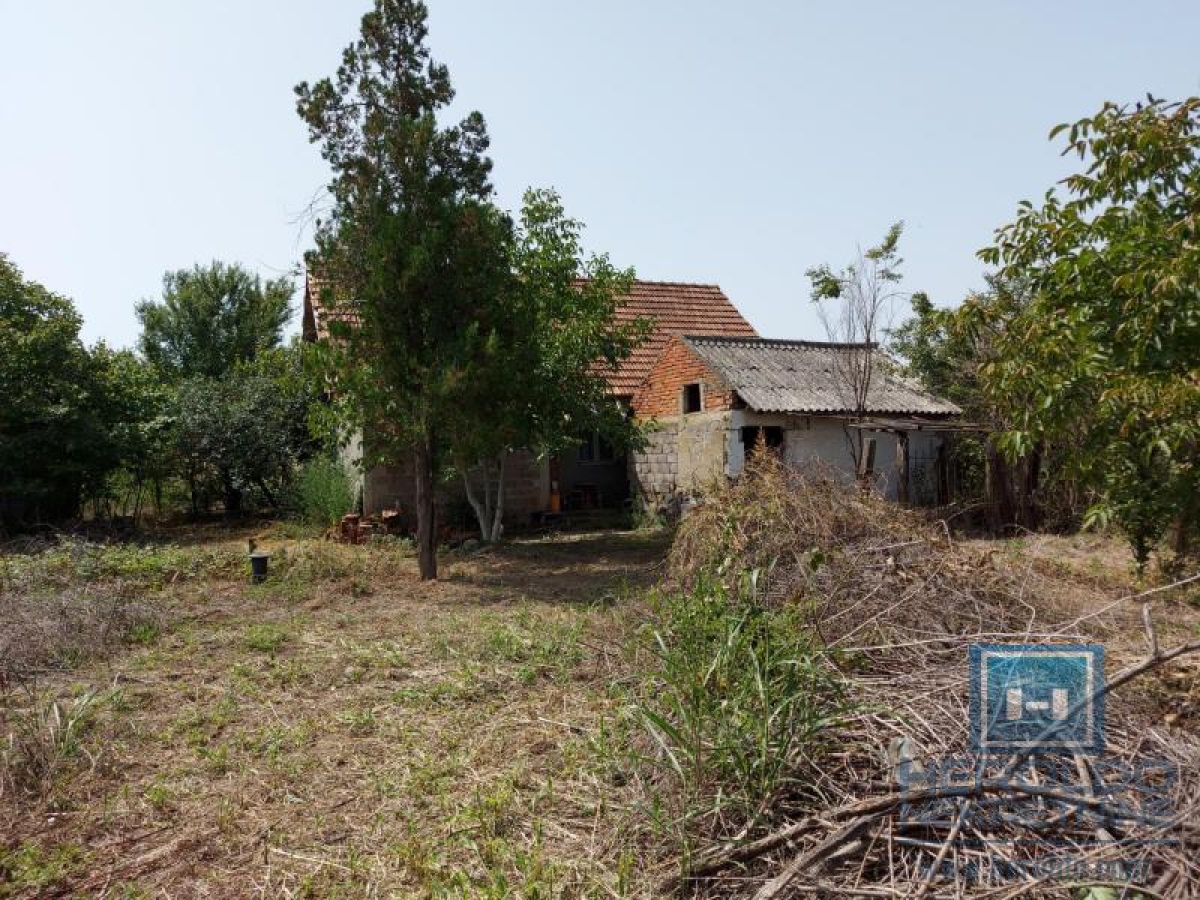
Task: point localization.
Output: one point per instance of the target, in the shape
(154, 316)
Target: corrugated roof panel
(809, 377)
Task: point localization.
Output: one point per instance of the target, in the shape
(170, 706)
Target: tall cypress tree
(411, 243)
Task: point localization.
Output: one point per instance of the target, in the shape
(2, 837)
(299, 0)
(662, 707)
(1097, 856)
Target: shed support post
(902, 465)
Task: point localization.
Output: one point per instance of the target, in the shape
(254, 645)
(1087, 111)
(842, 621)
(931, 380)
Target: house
(713, 397)
(594, 476)
(707, 385)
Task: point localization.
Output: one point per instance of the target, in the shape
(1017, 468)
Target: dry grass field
(341, 730)
(344, 730)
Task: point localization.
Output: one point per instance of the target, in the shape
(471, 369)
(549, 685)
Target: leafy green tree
(212, 317)
(410, 242)
(939, 354)
(54, 440)
(136, 405)
(945, 349)
(539, 382)
(246, 432)
(1105, 356)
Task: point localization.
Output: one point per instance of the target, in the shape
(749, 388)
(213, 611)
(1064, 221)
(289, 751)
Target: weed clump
(43, 742)
(740, 704)
(266, 638)
(323, 492)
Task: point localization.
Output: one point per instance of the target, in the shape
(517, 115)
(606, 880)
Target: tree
(136, 405)
(244, 432)
(865, 292)
(1105, 356)
(540, 381)
(54, 439)
(945, 349)
(212, 317)
(410, 242)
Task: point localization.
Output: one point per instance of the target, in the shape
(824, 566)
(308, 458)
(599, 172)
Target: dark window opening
(772, 436)
(595, 448)
(691, 398)
(587, 450)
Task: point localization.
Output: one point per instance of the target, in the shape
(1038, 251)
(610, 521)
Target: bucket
(258, 566)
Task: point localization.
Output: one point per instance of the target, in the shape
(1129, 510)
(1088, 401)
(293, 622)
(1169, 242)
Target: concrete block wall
(684, 456)
(654, 469)
(526, 487)
(701, 448)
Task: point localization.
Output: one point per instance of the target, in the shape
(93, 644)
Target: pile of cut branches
(901, 805)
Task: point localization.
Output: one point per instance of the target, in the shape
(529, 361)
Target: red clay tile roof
(676, 308)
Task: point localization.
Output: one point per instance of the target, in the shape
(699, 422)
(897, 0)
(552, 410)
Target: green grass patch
(740, 698)
(265, 637)
(30, 868)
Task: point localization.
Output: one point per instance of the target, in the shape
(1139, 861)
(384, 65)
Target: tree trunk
(489, 513)
(1180, 530)
(426, 526)
(498, 513)
(482, 508)
(271, 499)
(1031, 467)
(1001, 509)
(233, 497)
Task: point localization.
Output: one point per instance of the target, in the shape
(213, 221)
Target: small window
(691, 398)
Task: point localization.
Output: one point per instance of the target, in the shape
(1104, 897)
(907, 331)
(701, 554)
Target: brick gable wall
(660, 395)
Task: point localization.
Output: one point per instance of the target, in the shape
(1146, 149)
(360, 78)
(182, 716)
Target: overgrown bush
(70, 414)
(738, 703)
(323, 492)
(780, 587)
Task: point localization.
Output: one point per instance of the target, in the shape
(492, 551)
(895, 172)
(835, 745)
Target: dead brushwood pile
(894, 602)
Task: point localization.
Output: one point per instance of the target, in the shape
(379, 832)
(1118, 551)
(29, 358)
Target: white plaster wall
(823, 441)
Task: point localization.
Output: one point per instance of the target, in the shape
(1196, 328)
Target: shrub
(323, 492)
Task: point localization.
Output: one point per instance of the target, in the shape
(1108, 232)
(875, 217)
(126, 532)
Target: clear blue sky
(737, 143)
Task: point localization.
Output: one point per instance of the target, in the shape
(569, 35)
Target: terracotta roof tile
(676, 308)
